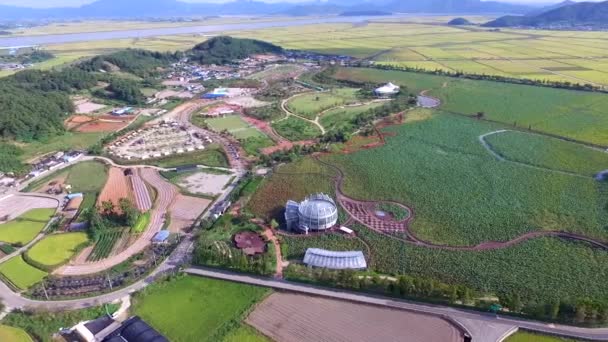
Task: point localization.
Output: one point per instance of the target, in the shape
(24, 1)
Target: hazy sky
(54, 3)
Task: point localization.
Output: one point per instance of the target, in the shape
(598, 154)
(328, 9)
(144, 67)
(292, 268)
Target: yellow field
(423, 42)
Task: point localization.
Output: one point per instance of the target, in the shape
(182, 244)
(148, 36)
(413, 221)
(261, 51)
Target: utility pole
(44, 289)
(109, 281)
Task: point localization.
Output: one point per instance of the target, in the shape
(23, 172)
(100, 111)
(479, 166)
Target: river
(8, 42)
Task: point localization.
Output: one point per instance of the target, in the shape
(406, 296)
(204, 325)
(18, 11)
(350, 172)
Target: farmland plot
(461, 194)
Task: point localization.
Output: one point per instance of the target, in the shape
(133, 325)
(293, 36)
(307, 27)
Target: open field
(549, 153)
(10, 334)
(57, 249)
(461, 194)
(21, 274)
(235, 125)
(67, 141)
(310, 105)
(341, 116)
(573, 114)
(195, 309)
(523, 336)
(290, 317)
(25, 228)
(185, 211)
(87, 176)
(14, 206)
(203, 183)
(577, 57)
(295, 129)
(116, 188)
(211, 156)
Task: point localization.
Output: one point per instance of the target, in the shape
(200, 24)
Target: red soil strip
(116, 188)
(105, 123)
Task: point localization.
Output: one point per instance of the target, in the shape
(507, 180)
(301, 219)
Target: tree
(107, 207)
(274, 224)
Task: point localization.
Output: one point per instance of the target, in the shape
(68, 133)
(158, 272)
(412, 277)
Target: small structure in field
(250, 243)
(353, 260)
(161, 237)
(387, 90)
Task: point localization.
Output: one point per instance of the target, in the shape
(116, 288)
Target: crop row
(105, 244)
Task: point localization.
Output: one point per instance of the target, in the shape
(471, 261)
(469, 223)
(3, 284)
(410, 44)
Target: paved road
(14, 301)
(477, 323)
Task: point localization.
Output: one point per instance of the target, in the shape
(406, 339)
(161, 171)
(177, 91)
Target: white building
(388, 89)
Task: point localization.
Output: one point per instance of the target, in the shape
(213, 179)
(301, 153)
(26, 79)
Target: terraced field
(55, 250)
(25, 228)
(21, 274)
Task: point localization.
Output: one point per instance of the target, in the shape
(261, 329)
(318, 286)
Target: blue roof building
(72, 196)
(161, 237)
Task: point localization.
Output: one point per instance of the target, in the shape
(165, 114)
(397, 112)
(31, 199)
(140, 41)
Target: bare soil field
(185, 210)
(84, 106)
(172, 93)
(13, 206)
(57, 183)
(77, 120)
(106, 123)
(204, 183)
(286, 317)
(116, 187)
(246, 102)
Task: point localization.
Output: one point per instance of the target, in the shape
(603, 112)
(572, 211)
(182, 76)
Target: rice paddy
(25, 228)
(57, 249)
(21, 274)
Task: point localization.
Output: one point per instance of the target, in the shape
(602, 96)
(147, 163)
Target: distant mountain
(594, 14)
(361, 13)
(459, 22)
(544, 9)
(175, 8)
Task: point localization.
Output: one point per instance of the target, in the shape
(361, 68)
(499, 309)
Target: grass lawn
(148, 92)
(55, 250)
(523, 336)
(254, 144)
(67, 141)
(310, 105)
(341, 117)
(245, 333)
(235, 125)
(211, 156)
(195, 309)
(295, 129)
(549, 153)
(25, 228)
(10, 334)
(87, 177)
(20, 273)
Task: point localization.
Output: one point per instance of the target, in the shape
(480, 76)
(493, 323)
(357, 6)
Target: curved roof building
(335, 260)
(316, 212)
(388, 90)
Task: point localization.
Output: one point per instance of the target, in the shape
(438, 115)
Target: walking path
(166, 194)
(269, 234)
(289, 113)
(346, 203)
(482, 326)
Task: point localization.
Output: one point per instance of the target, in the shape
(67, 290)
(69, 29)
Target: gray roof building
(335, 260)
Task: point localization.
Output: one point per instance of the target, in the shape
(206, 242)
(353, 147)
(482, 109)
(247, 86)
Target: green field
(549, 153)
(245, 333)
(25, 228)
(10, 334)
(340, 117)
(253, 145)
(196, 309)
(55, 250)
(21, 274)
(295, 129)
(235, 125)
(573, 114)
(462, 194)
(211, 156)
(142, 223)
(531, 337)
(311, 105)
(87, 177)
(67, 141)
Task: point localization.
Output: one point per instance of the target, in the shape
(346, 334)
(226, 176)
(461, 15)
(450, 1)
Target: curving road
(166, 195)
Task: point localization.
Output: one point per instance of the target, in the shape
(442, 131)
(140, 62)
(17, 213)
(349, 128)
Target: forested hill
(34, 104)
(224, 49)
(573, 15)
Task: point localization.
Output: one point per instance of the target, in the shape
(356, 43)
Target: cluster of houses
(53, 162)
